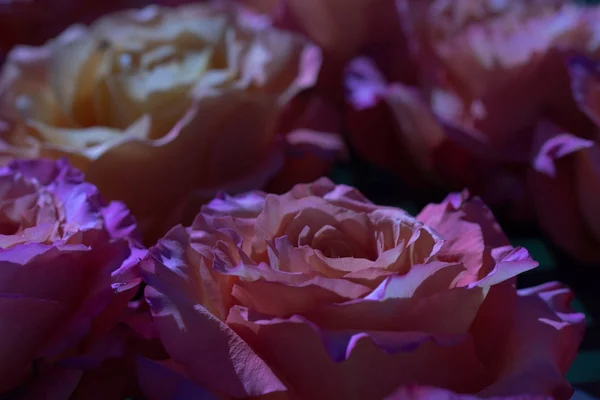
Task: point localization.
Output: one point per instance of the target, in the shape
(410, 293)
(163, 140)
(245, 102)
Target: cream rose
(155, 103)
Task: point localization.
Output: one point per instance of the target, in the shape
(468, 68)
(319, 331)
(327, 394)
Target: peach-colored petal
(228, 364)
(258, 296)
(507, 261)
(252, 116)
(167, 266)
(539, 350)
(424, 312)
(371, 363)
(468, 228)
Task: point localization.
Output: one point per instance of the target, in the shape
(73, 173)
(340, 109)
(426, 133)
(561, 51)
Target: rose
(564, 178)
(320, 294)
(493, 79)
(479, 91)
(156, 103)
(67, 269)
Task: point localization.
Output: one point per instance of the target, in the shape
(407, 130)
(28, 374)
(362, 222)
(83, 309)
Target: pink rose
(488, 71)
(161, 107)
(321, 294)
(67, 271)
(493, 96)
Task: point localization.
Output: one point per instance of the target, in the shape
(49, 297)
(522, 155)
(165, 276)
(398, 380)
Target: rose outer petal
(292, 299)
(541, 344)
(144, 160)
(368, 371)
(228, 364)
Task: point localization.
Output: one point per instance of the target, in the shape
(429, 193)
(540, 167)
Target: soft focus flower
(489, 66)
(487, 71)
(67, 271)
(153, 104)
(321, 294)
(564, 180)
(492, 77)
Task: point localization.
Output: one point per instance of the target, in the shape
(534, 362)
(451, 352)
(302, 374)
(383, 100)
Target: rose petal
(228, 364)
(369, 371)
(246, 205)
(307, 296)
(541, 344)
(432, 313)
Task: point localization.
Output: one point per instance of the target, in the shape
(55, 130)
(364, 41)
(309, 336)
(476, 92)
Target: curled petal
(366, 363)
(545, 344)
(229, 364)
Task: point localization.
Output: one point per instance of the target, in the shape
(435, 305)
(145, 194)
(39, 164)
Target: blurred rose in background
(493, 93)
(162, 107)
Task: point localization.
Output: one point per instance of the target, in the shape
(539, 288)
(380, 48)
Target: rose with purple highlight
(320, 294)
(67, 271)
